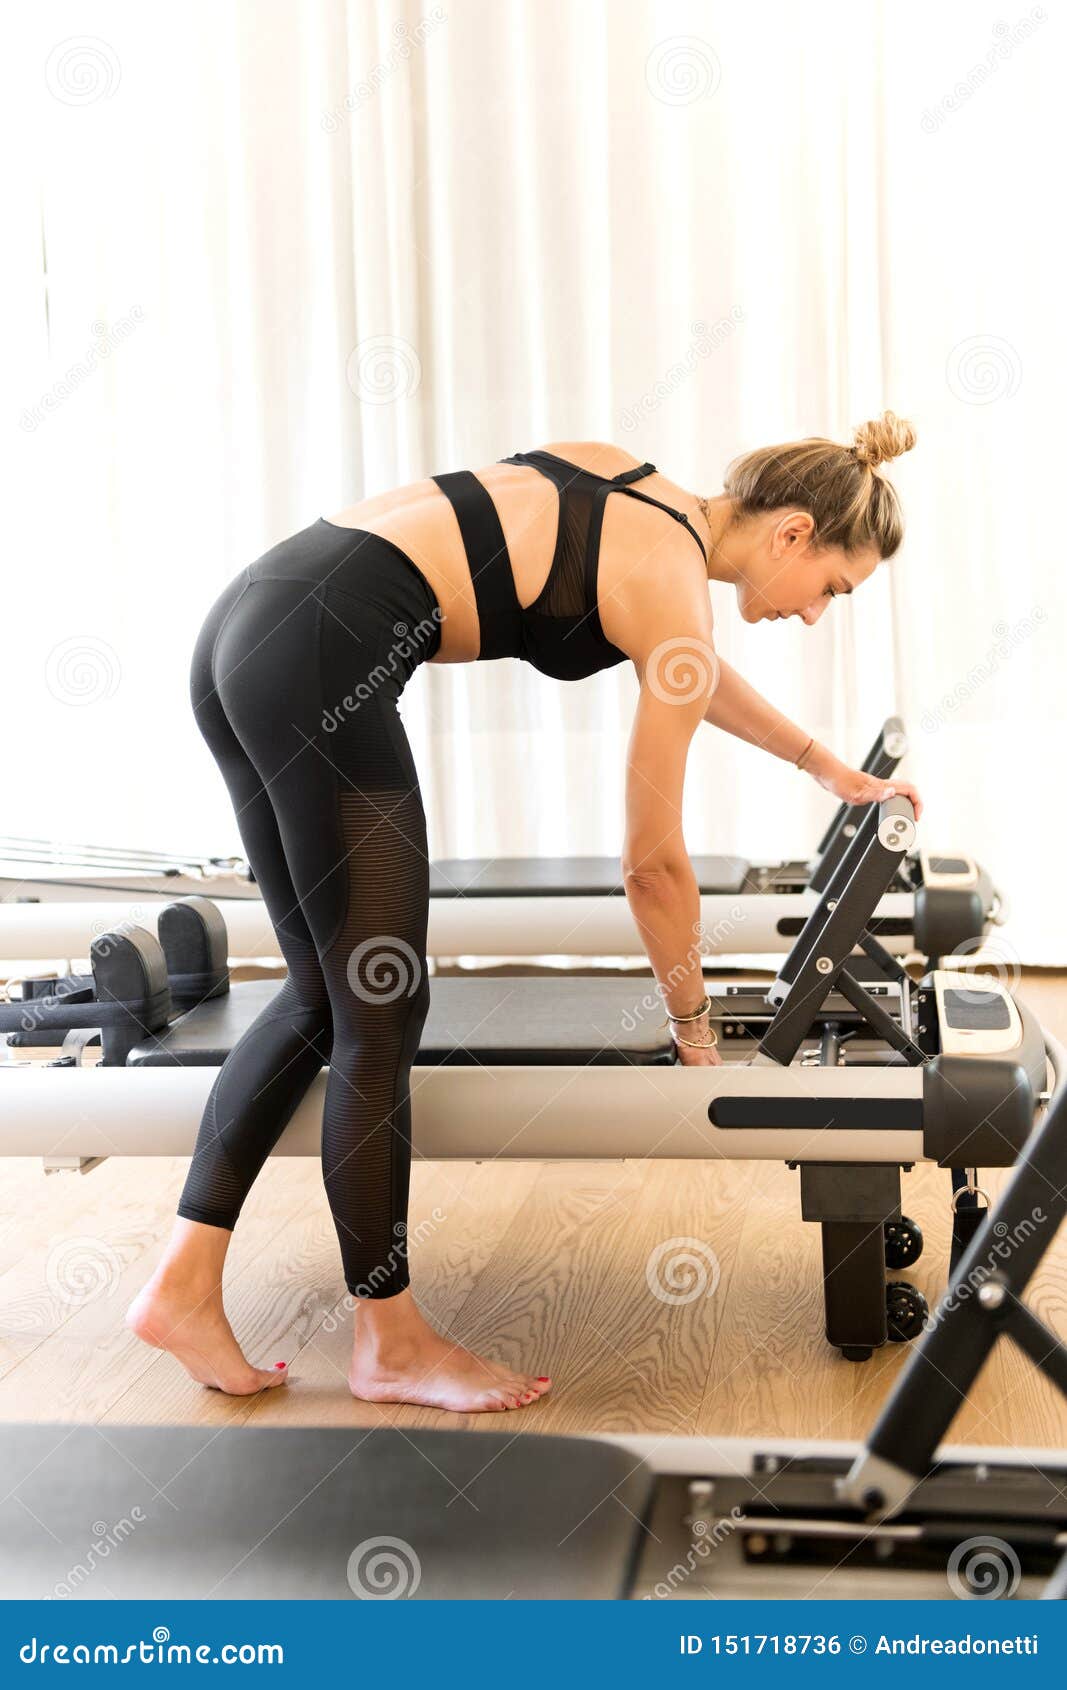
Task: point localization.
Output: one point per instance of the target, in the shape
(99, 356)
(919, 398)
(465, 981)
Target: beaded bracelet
(693, 1044)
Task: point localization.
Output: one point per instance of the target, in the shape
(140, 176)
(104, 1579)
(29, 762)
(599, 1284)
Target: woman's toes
(494, 1402)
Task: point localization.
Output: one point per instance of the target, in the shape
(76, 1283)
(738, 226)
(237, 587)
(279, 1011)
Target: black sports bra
(560, 633)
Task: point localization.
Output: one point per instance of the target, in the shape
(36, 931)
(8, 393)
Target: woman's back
(636, 537)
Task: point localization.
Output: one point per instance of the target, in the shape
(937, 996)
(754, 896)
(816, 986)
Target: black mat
(491, 1019)
(544, 877)
(186, 1512)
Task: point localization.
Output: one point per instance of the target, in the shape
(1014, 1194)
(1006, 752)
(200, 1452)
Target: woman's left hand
(853, 786)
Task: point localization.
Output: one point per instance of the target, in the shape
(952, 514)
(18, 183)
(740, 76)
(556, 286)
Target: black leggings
(295, 682)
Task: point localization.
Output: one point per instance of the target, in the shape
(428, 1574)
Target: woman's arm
(739, 709)
(677, 675)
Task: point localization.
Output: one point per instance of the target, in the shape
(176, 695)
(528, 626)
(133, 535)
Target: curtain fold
(268, 258)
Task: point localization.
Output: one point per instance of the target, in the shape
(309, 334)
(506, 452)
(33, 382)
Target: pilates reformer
(45, 870)
(337, 1514)
(848, 1083)
(935, 904)
(511, 906)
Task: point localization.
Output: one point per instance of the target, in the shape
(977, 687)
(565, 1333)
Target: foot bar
(471, 1113)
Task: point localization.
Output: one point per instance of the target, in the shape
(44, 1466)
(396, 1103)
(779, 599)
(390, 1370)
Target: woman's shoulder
(600, 457)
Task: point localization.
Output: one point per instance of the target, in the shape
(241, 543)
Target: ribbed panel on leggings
(376, 968)
(256, 1091)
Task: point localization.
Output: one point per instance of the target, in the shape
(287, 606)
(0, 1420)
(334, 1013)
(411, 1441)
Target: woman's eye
(831, 593)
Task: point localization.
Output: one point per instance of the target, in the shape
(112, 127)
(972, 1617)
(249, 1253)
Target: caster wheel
(856, 1352)
(903, 1243)
(906, 1310)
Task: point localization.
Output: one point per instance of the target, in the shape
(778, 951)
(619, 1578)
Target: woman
(575, 558)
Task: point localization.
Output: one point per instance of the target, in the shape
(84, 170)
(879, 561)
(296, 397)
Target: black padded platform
(576, 877)
(483, 1020)
(277, 1514)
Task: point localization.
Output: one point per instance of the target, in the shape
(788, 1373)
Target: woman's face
(781, 574)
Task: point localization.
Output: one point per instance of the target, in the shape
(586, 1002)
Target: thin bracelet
(800, 760)
(697, 1013)
(692, 1044)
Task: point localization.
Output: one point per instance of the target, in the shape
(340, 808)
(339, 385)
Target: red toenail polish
(280, 1364)
(542, 1378)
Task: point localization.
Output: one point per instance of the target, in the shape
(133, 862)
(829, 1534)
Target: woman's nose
(811, 612)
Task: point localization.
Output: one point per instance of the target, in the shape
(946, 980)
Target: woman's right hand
(699, 1049)
(856, 786)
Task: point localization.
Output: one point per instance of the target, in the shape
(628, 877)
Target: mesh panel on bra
(564, 592)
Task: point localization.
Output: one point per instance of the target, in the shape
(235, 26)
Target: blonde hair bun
(889, 436)
(852, 507)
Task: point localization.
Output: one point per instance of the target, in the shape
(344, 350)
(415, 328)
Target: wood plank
(773, 1372)
(543, 1280)
(87, 1359)
(541, 1266)
(643, 1359)
(458, 1213)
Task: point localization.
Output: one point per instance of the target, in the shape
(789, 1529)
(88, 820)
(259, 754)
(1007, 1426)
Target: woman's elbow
(651, 876)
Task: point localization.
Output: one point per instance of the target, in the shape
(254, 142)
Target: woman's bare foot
(180, 1310)
(398, 1357)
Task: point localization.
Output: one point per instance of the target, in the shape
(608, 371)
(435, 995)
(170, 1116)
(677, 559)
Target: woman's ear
(793, 532)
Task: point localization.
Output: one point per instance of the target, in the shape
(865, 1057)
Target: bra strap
(551, 466)
(679, 516)
(556, 470)
(499, 611)
(629, 475)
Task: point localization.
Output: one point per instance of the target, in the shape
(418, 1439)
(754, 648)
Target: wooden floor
(544, 1266)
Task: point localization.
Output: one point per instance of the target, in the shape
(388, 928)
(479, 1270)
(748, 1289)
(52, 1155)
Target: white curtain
(268, 256)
